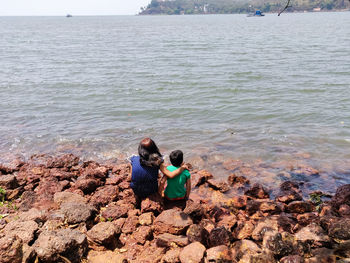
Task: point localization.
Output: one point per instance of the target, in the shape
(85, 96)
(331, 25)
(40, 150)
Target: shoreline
(62, 209)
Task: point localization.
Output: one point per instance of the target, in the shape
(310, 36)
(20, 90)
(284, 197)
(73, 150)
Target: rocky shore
(61, 209)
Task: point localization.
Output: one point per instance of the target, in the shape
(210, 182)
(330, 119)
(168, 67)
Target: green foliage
(2, 194)
(176, 7)
(316, 199)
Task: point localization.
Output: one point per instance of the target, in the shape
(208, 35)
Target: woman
(145, 169)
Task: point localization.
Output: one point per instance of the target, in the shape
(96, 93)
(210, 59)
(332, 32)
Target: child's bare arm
(188, 188)
(162, 185)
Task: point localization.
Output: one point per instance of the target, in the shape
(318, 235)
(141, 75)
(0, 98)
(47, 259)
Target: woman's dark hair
(148, 150)
(176, 158)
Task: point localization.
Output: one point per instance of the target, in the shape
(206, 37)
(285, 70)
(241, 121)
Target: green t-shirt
(176, 186)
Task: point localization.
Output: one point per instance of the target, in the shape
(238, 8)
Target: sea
(269, 90)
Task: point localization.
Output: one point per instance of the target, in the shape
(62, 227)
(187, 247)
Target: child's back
(178, 187)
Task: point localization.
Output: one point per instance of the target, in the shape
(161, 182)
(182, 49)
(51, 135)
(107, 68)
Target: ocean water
(216, 86)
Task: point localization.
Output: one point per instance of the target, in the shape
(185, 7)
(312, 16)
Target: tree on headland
(174, 7)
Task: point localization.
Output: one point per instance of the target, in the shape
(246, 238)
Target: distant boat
(257, 13)
(69, 15)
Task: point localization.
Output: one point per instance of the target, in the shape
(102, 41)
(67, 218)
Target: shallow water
(216, 86)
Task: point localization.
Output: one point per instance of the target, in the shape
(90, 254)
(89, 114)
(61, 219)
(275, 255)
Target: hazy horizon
(76, 8)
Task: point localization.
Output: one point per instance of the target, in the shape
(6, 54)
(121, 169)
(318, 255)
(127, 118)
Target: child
(176, 189)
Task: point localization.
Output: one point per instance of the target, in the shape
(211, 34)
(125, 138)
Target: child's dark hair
(176, 158)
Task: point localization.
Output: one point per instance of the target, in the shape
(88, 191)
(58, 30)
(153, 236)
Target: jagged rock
(312, 235)
(257, 191)
(153, 203)
(219, 185)
(244, 247)
(269, 207)
(23, 229)
(340, 229)
(321, 255)
(115, 211)
(142, 234)
(238, 202)
(304, 170)
(193, 253)
(104, 195)
(300, 207)
(105, 257)
(308, 218)
(207, 224)
(87, 185)
(273, 241)
(194, 209)
(146, 219)
(292, 259)
(197, 233)
(171, 256)
(168, 240)
(172, 221)
(103, 234)
(200, 178)
(343, 249)
(344, 211)
(220, 254)
(64, 161)
(94, 170)
(236, 178)
(151, 253)
(11, 249)
(219, 236)
(8, 181)
(289, 192)
(130, 225)
(51, 246)
(68, 197)
(77, 212)
(244, 230)
(265, 257)
(341, 197)
(228, 221)
(264, 225)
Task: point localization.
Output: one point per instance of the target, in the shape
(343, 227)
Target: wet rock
(105, 257)
(289, 192)
(257, 191)
(304, 170)
(238, 202)
(273, 241)
(51, 246)
(300, 207)
(25, 230)
(265, 257)
(244, 171)
(235, 179)
(146, 219)
(197, 233)
(220, 236)
(77, 212)
(321, 255)
(168, 240)
(228, 221)
(308, 218)
(292, 259)
(341, 197)
(193, 253)
(216, 212)
(244, 230)
(8, 182)
(104, 195)
(220, 254)
(103, 234)
(130, 225)
(153, 203)
(68, 197)
(312, 235)
(64, 161)
(200, 178)
(207, 224)
(172, 221)
(343, 250)
(11, 249)
(115, 211)
(344, 211)
(171, 256)
(244, 248)
(219, 185)
(340, 229)
(264, 225)
(269, 207)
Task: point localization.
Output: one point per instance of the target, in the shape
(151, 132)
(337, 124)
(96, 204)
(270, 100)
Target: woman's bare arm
(173, 174)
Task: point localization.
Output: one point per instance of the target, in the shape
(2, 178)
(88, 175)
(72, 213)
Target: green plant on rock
(2, 195)
(316, 199)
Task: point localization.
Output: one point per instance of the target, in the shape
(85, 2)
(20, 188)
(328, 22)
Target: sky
(74, 7)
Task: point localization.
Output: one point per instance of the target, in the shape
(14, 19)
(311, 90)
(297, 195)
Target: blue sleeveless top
(144, 179)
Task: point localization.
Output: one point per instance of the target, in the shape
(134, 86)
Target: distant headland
(178, 7)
